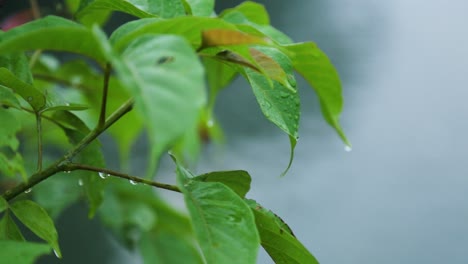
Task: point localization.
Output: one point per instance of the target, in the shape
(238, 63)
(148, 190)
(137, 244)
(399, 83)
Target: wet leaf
(38, 221)
(223, 224)
(277, 238)
(320, 73)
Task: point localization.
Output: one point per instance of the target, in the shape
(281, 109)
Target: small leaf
(238, 181)
(10, 126)
(30, 94)
(201, 7)
(219, 75)
(96, 16)
(168, 96)
(22, 252)
(38, 221)
(226, 37)
(320, 73)
(9, 230)
(222, 221)
(3, 204)
(8, 98)
(277, 238)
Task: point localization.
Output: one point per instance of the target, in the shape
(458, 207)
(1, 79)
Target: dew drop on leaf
(80, 182)
(28, 190)
(210, 123)
(132, 182)
(56, 254)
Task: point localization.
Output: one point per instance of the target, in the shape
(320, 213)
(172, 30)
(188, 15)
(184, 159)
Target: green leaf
(166, 78)
(91, 17)
(222, 221)
(227, 37)
(239, 181)
(9, 230)
(219, 75)
(277, 239)
(52, 33)
(56, 102)
(279, 104)
(201, 7)
(254, 12)
(141, 9)
(22, 252)
(76, 130)
(8, 98)
(12, 166)
(38, 221)
(320, 73)
(188, 27)
(30, 94)
(3, 204)
(10, 126)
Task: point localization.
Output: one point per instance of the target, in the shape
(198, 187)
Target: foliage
(160, 73)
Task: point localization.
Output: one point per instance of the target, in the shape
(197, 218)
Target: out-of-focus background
(400, 196)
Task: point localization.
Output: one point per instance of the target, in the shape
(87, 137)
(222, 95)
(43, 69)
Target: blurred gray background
(400, 195)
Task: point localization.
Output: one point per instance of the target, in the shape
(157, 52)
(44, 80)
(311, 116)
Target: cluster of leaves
(159, 65)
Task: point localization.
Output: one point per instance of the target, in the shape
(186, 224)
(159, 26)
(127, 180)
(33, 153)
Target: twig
(35, 9)
(74, 166)
(61, 163)
(105, 88)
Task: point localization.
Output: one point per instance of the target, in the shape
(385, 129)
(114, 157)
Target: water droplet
(28, 190)
(30, 98)
(210, 123)
(56, 254)
(348, 148)
(132, 182)
(67, 104)
(80, 182)
(102, 175)
(234, 218)
(67, 171)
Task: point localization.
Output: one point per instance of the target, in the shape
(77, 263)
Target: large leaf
(239, 181)
(201, 7)
(21, 252)
(92, 155)
(188, 27)
(166, 78)
(319, 72)
(279, 104)
(9, 230)
(52, 33)
(38, 221)
(222, 221)
(141, 9)
(277, 239)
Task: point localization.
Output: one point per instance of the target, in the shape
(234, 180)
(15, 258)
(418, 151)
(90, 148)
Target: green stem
(102, 115)
(60, 164)
(39, 140)
(74, 166)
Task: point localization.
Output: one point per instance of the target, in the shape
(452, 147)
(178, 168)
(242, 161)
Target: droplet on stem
(102, 175)
(28, 190)
(348, 148)
(132, 182)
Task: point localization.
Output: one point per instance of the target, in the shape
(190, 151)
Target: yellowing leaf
(225, 37)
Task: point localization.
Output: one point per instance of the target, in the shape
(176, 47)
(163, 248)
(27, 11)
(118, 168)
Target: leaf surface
(9, 230)
(277, 239)
(21, 252)
(201, 7)
(224, 226)
(38, 221)
(314, 65)
(239, 181)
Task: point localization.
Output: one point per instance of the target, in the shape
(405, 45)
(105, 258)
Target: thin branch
(39, 140)
(74, 166)
(35, 9)
(61, 163)
(102, 115)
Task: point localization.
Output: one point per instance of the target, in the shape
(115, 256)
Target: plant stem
(39, 140)
(74, 166)
(61, 163)
(102, 115)
(35, 9)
